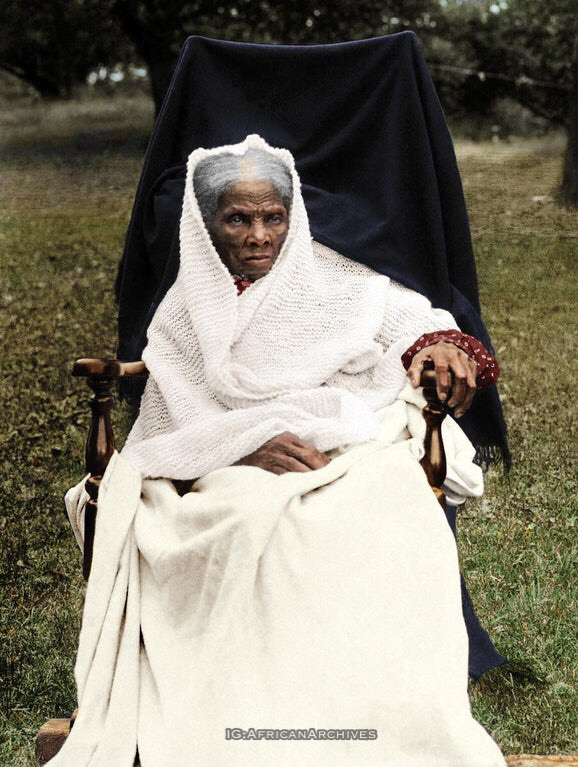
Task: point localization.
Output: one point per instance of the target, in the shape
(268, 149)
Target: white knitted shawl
(313, 347)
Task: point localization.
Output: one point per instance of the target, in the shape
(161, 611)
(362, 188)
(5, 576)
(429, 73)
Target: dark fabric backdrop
(374, 155)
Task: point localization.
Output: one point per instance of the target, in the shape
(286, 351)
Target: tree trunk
(569, 188)
(151, 28)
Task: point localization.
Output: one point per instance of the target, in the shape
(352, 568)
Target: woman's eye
(275, 218)
(236, 218)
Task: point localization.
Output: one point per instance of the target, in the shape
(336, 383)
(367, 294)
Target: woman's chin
(255, 268)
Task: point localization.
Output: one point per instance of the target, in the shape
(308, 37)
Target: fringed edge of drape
(493, 455)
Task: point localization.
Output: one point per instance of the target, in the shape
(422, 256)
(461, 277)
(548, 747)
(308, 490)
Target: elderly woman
(305, 586)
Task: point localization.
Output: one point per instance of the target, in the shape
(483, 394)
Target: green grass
(68, 178)
(518, 544)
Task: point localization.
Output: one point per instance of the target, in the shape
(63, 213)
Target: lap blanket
(303, 620)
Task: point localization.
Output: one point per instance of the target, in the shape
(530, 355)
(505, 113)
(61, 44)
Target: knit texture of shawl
(313, 347)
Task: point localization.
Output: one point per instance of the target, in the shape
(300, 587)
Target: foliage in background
(54, 45)
(480, 52)
(526, 44)
(531, 47)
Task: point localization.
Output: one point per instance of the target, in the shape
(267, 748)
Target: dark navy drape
(379, 177)
(374, 155)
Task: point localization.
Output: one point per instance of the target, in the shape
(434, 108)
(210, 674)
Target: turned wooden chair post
(434, 459)
(100, 375)
(99, 449)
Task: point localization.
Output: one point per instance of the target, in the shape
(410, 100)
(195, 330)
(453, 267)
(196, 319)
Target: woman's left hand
(447, 357)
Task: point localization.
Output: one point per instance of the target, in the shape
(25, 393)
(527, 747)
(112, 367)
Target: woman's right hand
(285, 452)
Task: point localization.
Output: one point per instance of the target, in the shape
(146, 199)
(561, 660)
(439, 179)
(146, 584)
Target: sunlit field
(68, 176)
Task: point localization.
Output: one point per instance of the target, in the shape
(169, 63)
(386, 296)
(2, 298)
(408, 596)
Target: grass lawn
(68, 175)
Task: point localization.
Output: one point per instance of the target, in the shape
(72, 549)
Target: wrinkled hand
(285, 452)
(448, 357)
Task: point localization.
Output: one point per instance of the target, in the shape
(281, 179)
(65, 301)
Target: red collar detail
(242, 283)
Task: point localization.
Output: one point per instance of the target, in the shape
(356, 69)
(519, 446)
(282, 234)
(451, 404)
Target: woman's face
(249, 228)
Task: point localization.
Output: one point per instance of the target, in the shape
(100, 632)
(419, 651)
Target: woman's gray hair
(216, 174)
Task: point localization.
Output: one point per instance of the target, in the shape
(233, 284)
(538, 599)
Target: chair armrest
(102, 368)
(101, 375)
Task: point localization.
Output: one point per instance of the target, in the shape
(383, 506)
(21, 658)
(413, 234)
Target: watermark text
(310, 733)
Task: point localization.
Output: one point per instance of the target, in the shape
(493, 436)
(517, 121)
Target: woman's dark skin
(249, 229)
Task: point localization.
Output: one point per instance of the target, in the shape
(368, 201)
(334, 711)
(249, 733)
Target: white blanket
(328, 599)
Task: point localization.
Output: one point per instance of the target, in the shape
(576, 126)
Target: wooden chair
(101, 376)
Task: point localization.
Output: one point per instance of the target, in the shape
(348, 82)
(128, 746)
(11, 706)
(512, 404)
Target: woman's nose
(258, 233)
